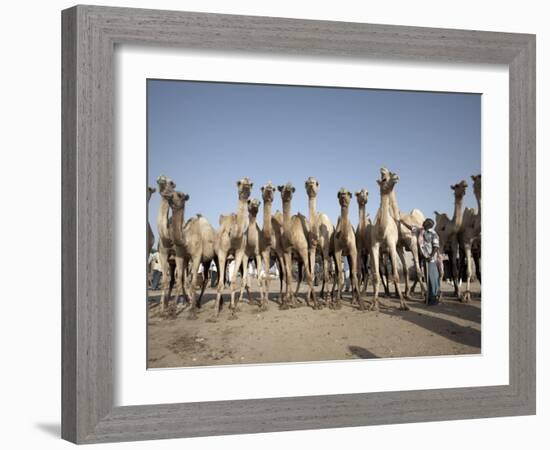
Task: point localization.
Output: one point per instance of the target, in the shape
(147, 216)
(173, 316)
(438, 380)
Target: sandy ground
(303, 334)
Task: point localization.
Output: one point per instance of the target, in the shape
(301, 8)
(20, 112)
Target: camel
(469, 233)
(321, 231)
(295, 242)
(362, 239)
(407, 240)
(271, 241)
(252, 248)
(449, 229)
(194, 242)
(166, 241)
(230, 241)
(384, 236)
(150, 235)
(345, 245)
(476, 244)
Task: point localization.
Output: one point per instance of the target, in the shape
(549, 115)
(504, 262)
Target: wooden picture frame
(90, 34)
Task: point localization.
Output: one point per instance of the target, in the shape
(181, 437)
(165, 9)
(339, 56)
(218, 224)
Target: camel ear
(317, 183)
(280, 188)
(251, 185)
(248, 201)
(453, 186)
(186, 197)
(239, 183)
(293, 189)
(379, 182)
(436, 214)
(262, 189)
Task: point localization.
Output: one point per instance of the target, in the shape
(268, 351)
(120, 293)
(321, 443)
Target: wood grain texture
(89, 36)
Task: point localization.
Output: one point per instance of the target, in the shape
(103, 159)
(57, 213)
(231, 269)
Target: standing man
(428, 241)
(154, 265)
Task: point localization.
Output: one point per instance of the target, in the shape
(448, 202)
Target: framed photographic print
(275, 224)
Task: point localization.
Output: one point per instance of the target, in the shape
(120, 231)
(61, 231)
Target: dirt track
(302, 334)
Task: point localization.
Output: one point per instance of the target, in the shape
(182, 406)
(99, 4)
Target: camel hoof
(284, 306)
(263, 307)
(404, 307)
(337, 305)
(374, 307)
(192, 316)
(233, 317)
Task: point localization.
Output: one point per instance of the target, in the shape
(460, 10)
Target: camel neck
(286, 212)
(457, 214)
(267, 219)
(362, 215)
(312, 203)
(394, 207)
(344, 211)
(162, 219)
(243, 203)
(252, 219)
(177, 225)
(478, 200)
(385, 207)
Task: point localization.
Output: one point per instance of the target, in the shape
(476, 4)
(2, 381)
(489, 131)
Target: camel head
(176, 200)
(268, 192)
(165, 184)
(244, 186)
(444, 228)
(459, 189)
(387, 180)
(150, 191)
(312, 187)
(344, 197)
(286, 191)
(477, 185)
(253, 206)
(362, 197)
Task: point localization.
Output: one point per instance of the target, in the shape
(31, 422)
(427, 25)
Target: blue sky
(206, 136)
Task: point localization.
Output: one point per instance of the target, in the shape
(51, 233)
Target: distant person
(155, 269)
(428, 241)
(213, 274)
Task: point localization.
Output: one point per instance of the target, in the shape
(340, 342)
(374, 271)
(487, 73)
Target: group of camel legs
(287, 238)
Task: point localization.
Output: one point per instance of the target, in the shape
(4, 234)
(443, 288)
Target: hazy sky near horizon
(206, 136)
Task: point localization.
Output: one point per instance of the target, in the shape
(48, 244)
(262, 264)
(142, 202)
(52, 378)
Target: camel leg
(325, 262)
(466, 296)
(401, 255)
(265, 280)
(309, 280)
(285, 300)
(352, 260)
(453, 260)
(282, 269)
(475, 256)
(376, 276)
(337, 302)
(393, 257)
(239, 258)
(165, 268)
(365, 273)
(221, 281)
(384, 276)
(299, 281)
(195, 263)
(259, 283)
(205, 269)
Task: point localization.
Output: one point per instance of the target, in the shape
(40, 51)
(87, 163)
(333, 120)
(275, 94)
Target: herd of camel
(287, 238)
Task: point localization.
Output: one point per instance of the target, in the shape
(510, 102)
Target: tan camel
(384, 236)
(449, 229)
(321, 232)
(271, 241)
(295, 242)
(252, 248)
(166, 241)
(407, 240)
(469, 233)
(150, 235)
(362, 239)
(345, 246)
(194, 242)
(476, 244)
(230, 241)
